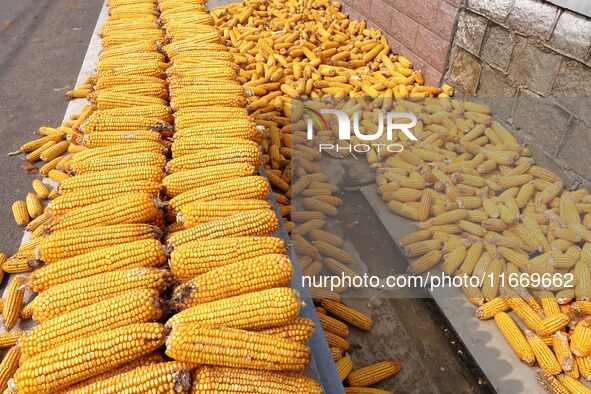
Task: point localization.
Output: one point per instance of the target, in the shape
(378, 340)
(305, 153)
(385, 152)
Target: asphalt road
(42, 46)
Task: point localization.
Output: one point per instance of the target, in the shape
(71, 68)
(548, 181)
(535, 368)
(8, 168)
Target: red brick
(402, 28)
(380, 13)
(348, 2)
(445, 20)
(422, 11)
(432, 48)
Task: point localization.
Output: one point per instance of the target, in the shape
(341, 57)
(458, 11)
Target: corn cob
(229, 380)
(39, 142)
(552, 324)
(333, 325)
(112, 177)
(34, 207)
(143, 253)
(514, 337)
(20, 213)
(562, 351)
(258, 310)
(41, 190)
(111, 100)
(195, 258)
(347, 314)
(68, 243)
(573, 385)
(371, 374)
(108, 138)
(87, 196)
(524, 311)
(83, 358)
(194, 145)
(138, 306)
(79, 293)
(161, 377)
(241, 154)
(543, 354)
(36, 154)
(249, 187)
(344, 367)
(580, 344)
(235, 348)
(131, 160)
(102, 123)
(9, 365)
(299, 329)
(183, 181)
(13, 301)
(116, 150)
(10, 339)
(156, 90)
(259, 273)
(256, 222)
(197, 213)
(129, 208)
(54, 151)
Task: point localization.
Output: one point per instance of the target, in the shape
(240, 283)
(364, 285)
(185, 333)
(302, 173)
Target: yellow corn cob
(103, 123)
(110, 100)
(235, 348)
(131, 160)
(299, 330)
(334, 252)
(58, 176)
(143, 253)
(580, 343)
(241, 154)
(87, 196)
(514, 337)
(197, 213)
(189, 98)
(10, 339)
(116, 150)
(453, 260)
(40, 189)
(336, 353)
(562, 351)
(156, 90)
(34, 207)
(333, 325)
(18, 265)
(549, 303)
(111, 177)
(573, 385)
(129, 208)
(584, 367)
(249, 187)
(543, 354)
(325, 236)
(138, 306)
(492, 308)
(216, 116)
(83, 358)
(347, 314)
(13, 302)
(344, 367)
(255, 222)
(374, 373)
(306, 227)
(108, 138)
(106, 82)
(9, 365)
(529, 317)
(259, 273)
(20, 213)
(314, 204)
(68, 243)
(258, 310)
(79, 293)
(425, 262)
(196, 258)
(422, 247)
(232, 128)
(161, 377)
(551, 324)
(196, 144)
(229, 380)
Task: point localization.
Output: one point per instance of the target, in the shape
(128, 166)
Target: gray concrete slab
(42, 46)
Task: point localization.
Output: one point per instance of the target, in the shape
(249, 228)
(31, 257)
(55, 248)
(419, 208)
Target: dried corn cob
(13, 301)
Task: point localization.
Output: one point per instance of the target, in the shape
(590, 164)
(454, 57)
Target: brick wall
(530, 48)
(419, 29)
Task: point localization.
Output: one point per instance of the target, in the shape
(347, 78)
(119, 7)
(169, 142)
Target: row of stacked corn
(102, 280)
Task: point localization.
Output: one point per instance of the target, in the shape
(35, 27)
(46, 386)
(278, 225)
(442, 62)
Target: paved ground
(42, 45)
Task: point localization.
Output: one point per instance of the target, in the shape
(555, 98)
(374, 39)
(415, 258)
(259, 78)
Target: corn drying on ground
(118, 131)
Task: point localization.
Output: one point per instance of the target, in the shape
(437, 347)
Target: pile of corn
(98, 264)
